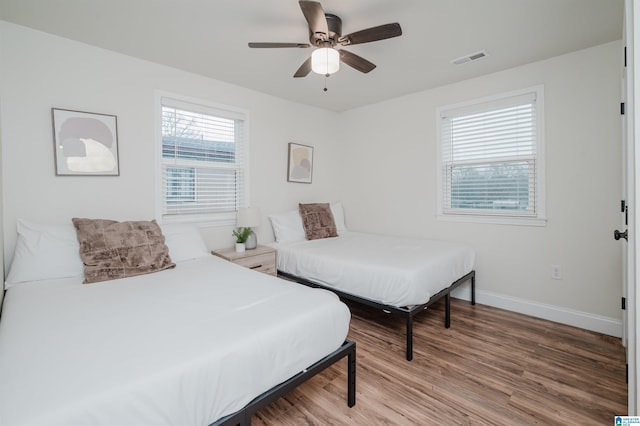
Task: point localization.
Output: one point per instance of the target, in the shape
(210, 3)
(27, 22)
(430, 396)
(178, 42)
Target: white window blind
(490, 158)
(203, 160)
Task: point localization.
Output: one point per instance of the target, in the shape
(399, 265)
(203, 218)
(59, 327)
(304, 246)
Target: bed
(402, 276)
(199, 343)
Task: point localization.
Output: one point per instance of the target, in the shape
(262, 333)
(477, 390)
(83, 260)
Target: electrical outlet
(556, 272)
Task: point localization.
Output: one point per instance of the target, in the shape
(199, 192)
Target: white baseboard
(585, 320)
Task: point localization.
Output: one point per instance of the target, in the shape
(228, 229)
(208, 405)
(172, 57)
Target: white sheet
(390, 270)
(180, 347)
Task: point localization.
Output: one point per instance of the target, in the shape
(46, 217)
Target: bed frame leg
(473, 289)
(447, 310)
(409, 338)
(351, 378)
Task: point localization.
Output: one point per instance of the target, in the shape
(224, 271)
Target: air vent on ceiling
(468, 58)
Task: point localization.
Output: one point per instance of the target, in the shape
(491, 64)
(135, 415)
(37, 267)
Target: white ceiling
(210, 37)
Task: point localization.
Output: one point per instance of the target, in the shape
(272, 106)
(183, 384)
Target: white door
(625, 195)
(631, 75)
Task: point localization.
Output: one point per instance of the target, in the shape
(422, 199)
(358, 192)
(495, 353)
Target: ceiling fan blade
(381, 32)
(304, 69)
(355, 61)
(270, 45)
(314, 14)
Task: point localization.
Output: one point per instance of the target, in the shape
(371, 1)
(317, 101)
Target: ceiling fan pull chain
(325, 83)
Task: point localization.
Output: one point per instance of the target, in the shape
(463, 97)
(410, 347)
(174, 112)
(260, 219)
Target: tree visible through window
(501, 186)
(490, 163)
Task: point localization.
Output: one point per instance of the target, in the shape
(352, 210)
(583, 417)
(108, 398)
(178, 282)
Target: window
(202, 163)
(491, 165)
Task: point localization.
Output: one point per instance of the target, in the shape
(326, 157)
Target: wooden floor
(491, 367)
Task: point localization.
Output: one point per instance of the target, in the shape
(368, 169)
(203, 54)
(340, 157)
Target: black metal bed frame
(348, 349)
(406, 312)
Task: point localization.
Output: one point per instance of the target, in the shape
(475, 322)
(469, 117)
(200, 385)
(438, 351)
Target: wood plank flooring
(492, 367)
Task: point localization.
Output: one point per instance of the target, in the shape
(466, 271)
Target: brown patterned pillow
(111, 249)
(317, 220)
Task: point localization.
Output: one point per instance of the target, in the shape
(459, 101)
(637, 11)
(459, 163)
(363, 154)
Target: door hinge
(624, 209)
(624, 303)
(625, 56)
(621, 108)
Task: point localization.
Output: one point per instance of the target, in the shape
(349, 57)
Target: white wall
(390, 163)
(41, 71)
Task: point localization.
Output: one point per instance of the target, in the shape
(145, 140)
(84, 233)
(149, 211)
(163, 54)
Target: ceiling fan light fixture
(325, 61)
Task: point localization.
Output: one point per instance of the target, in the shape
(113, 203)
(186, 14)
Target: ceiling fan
(325, 32)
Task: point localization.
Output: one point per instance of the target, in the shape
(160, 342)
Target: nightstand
(261, 258)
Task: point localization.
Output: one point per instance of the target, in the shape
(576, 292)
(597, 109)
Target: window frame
(212, 219)
(486, 104)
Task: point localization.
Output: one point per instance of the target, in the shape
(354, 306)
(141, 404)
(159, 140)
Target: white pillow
(44, 252)
(287, 227)
(184, 241)
(338, 217)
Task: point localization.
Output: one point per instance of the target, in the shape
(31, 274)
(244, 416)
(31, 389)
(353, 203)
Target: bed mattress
(390, 270)
(184, 346)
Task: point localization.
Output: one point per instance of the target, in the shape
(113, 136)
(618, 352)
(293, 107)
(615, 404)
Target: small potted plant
(241, 235)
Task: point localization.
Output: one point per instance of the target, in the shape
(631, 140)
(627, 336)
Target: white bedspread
(390, 270)
(180, 347)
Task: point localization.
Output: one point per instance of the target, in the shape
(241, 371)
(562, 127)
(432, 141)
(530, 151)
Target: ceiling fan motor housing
(334, 24)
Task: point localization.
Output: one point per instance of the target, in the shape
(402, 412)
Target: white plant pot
(252, 241)
(240, 247)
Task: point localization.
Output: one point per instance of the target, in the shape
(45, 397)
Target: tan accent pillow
(317, 220)
(111, 249)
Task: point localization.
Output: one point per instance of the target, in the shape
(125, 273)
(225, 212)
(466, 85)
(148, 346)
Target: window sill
(497, 220)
